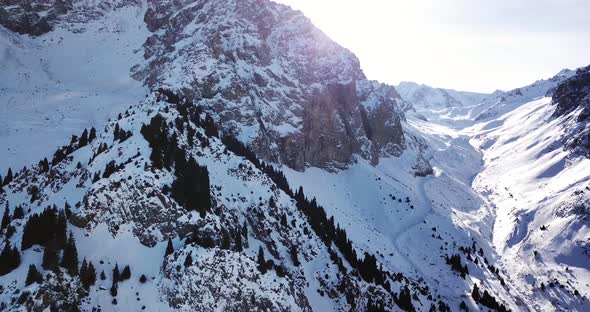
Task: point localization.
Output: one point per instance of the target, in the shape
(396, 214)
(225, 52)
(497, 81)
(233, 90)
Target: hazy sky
(471, 45)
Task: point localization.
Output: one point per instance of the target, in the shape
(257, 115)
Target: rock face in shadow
(38, 17)
(336, 126)
(330, 122)
(572, 102)
(31, 17)
(573, 93)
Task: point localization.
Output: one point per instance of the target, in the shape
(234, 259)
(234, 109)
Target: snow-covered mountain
(235, 158)
(459, 109)
(536, 175)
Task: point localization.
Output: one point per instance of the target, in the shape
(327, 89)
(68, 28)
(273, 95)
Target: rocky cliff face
(31, 17)
(263, 71)
(572, 101)
(38, 17)
(272, 79)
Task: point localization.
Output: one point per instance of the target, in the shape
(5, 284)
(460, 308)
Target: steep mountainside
(263, 70)
(540, 192)
(158, 172)
(200, 155)
(534, 177)
(572, 101)
(275, 81)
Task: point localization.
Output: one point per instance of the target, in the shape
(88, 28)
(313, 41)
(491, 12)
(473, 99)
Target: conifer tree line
(486, 299)
(375, 306)
(164, 144)
(9, 258)
(18, 213)
(87, 274)
(165, 150)
(191, 187)
(455, 262)
(120, 134)
(51, 224)
(404, 300)
(118, 277)
(112, 167)
(47, 229)
(99, 150)
(33, 276)
(75, 143)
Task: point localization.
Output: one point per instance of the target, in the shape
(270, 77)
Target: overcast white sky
(471, 45)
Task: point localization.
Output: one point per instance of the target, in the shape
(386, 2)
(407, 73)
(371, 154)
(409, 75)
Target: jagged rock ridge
(270, 77)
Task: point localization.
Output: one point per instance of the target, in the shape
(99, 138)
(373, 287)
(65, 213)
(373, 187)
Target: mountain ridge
(236, 158)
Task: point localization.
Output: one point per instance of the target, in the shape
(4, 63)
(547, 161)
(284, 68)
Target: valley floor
(496, 182)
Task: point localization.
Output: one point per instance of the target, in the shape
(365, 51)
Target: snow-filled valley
(234, 158)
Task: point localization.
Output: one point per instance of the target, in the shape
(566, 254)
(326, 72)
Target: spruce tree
(114, 290)
(4, 259)
(261, 262)
(225, 242)
(83, 270)
(188, 261)
(405, 299)
(35, 193)
(103, 276)
(61, 230)
(8, 177)
(18, 213)
(239, 243)
(91, 274)
(50, 255)
(116, 132)
(87, 274)
(5, 218)
(9, 259)
(33, 276)
(245, 233)
(116, 274)
(83, 139)
(92, 135)
(126, 274)
(169, 248)
(67, 210)
(44, 165)
(70, 256)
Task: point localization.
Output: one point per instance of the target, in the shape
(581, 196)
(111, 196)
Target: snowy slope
(478, 172)
(539, 192)
(459, 109)
(64, 81)
(125, 218)
(443, 212)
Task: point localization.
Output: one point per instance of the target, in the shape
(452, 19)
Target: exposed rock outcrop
(572, 101)
(272, 79)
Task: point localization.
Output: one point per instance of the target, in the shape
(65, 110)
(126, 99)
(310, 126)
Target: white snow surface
(66, 80)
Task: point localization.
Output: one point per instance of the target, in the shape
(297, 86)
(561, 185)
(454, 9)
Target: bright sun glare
(471, 45)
